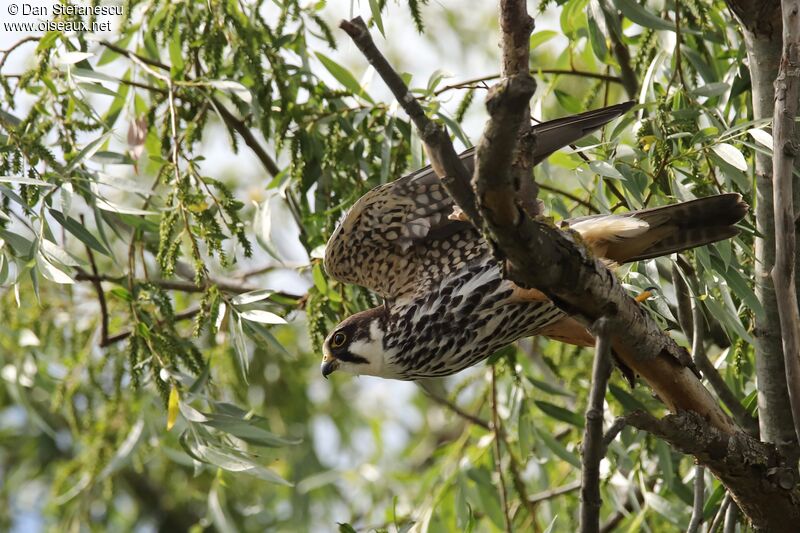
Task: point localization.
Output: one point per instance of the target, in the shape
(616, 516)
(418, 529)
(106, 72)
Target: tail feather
(674, 228)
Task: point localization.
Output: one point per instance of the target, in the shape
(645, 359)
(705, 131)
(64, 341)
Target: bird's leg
(645, 294)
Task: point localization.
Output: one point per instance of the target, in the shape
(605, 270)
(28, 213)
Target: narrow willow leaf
(78, 230)
(88, 151)
(641, 16)
(219, 517)
(263, 317)
(173, 407)
(606, 170)
(239, 345)
(96, 88)
(762, 137)
(541, 37)
(123, 453)
(557, 448)
(559, 413)
(252, 297)
(343, 76)
(233, 87)
(375, 9)
(24, 181)
(107, 205)
(731, 155)
(49, 271)
(70, 58)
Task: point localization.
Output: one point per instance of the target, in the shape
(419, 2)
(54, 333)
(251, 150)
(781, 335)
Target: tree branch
(229, 118)
(593, 449)
(444, 402)
(549, 494)
(443, 157)
(755, 473)
(699, 500)
(471, 83)
(787, 86)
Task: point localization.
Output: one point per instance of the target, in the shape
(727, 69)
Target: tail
(663, 230)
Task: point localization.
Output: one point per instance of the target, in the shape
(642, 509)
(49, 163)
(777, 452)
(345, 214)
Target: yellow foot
(645, 294)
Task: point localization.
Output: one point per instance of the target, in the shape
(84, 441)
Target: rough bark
(787, 87)
(754, 472)
(761, 26)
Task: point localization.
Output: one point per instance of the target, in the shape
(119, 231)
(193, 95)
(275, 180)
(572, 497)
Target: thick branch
(754, 472)
(593, 448)
(787, 86)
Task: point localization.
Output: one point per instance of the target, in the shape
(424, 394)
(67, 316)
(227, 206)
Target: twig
(585, 203)
(699, 500)
(7, 51)
(183, 286)
(471, 83)
(623, 56)
(613, 430)
(723, 508)
(234, 123)
(785, 151)
(549, 494)
(731, 517)
(696, 332)
(119, 337)
(444, 402)
(443, 157)
(247, 135)
(592, 447)
(498, 452)
(101, 296)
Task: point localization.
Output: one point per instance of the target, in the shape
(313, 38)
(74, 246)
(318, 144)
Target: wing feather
(399, 238)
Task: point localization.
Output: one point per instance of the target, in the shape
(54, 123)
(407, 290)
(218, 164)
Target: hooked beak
(329, 365)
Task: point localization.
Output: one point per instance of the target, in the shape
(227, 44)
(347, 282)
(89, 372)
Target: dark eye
(338, 340)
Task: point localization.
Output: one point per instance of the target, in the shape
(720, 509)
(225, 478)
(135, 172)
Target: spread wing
(399, 239)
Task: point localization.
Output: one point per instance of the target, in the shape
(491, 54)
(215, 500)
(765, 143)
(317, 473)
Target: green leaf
(641, 16)
(78, 230)
(628, 401)
(375, 9)
(559, 413)
(731, 155)
(96, 88)
(541, 37)
(252, 297)
(557, 448)
(263, 317)
(25, 181)
(239, 345)
(343, 76)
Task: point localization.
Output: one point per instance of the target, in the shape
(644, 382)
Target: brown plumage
(447, 305)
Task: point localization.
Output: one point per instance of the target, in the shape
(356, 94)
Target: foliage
(114, 237)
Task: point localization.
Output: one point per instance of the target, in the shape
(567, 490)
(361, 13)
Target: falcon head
(356, 345)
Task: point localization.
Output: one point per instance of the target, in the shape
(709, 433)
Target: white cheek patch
(371, 350)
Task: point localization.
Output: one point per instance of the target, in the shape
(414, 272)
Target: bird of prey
(447, 306)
